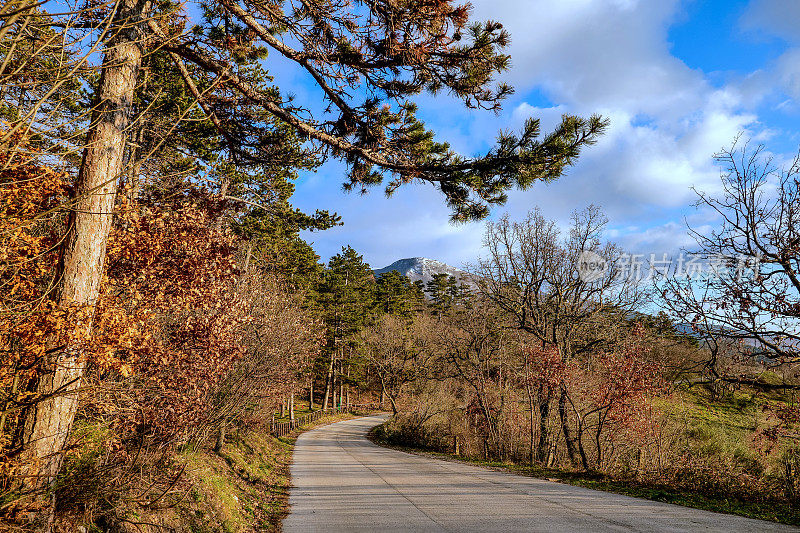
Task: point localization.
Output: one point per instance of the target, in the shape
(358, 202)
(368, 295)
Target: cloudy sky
(678, 79)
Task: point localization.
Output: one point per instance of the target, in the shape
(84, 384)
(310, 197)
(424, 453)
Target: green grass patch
(245, 486)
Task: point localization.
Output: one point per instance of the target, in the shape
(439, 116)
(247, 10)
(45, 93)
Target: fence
(279, 429)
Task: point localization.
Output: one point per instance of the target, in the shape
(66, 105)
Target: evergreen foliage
(347, 294)
(443, 291)
(395, 294)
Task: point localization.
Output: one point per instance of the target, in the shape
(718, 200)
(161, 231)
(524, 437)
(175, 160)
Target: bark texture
(328, 383)
(48, 422)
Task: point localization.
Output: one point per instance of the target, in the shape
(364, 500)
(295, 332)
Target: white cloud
(636, 167)
(788, 71)
(669, 238)
(774, 17)
(778, 19)
(592, 52)
(549, 117)
(667, 120)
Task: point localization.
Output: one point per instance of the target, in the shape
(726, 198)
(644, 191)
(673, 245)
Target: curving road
(343, 482)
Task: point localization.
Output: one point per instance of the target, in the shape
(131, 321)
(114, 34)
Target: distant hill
(422, 268)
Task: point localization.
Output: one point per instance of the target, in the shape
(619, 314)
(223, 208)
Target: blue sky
(678, 79)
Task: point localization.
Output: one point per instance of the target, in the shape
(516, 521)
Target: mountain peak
(421, 268)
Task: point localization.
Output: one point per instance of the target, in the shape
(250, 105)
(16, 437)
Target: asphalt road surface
(343, 482)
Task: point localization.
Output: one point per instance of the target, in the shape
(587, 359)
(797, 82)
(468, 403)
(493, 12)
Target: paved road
(343, 482)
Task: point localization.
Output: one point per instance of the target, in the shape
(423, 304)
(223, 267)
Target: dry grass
(244, 488)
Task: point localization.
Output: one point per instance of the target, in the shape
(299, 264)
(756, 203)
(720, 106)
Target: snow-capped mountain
(422, 268)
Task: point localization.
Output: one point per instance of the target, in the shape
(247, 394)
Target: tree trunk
(384, 395)
(568, 439)
(601, 419)
(48, 422)
(333, 387)
(581, 449)
(531, 419)
(328, 384)
(220, 438)
(311, 394)
(291, 407)
(544, 414)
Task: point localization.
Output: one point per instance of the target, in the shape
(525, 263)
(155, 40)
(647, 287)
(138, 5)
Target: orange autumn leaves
(173, 268)
(30, 219)
(33, 220)
(168, 322)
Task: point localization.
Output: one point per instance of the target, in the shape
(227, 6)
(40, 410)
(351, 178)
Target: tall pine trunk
(48, 422)
(311, 392)
(341, 385)
(333, 387)
(328, 383)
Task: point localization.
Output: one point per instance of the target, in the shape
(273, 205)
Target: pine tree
(395, 294)
(249, 165)
(369, 60)
(443, 292)
(347, 297)
(348, 292)
(417, 292)
(48, 422)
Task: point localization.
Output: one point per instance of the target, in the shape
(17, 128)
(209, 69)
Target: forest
(161, 306)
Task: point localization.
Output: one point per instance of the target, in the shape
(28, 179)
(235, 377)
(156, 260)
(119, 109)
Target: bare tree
(749, 297)
(279, 340)
(399, 352)
(367, 59)
(474, 349)
(536, 278)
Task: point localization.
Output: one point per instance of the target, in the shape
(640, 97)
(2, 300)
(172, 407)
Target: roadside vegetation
(156, 298)
(244, 486)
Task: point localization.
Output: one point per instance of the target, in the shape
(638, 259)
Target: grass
(721, 429)
(243, 488)
(300, 409)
